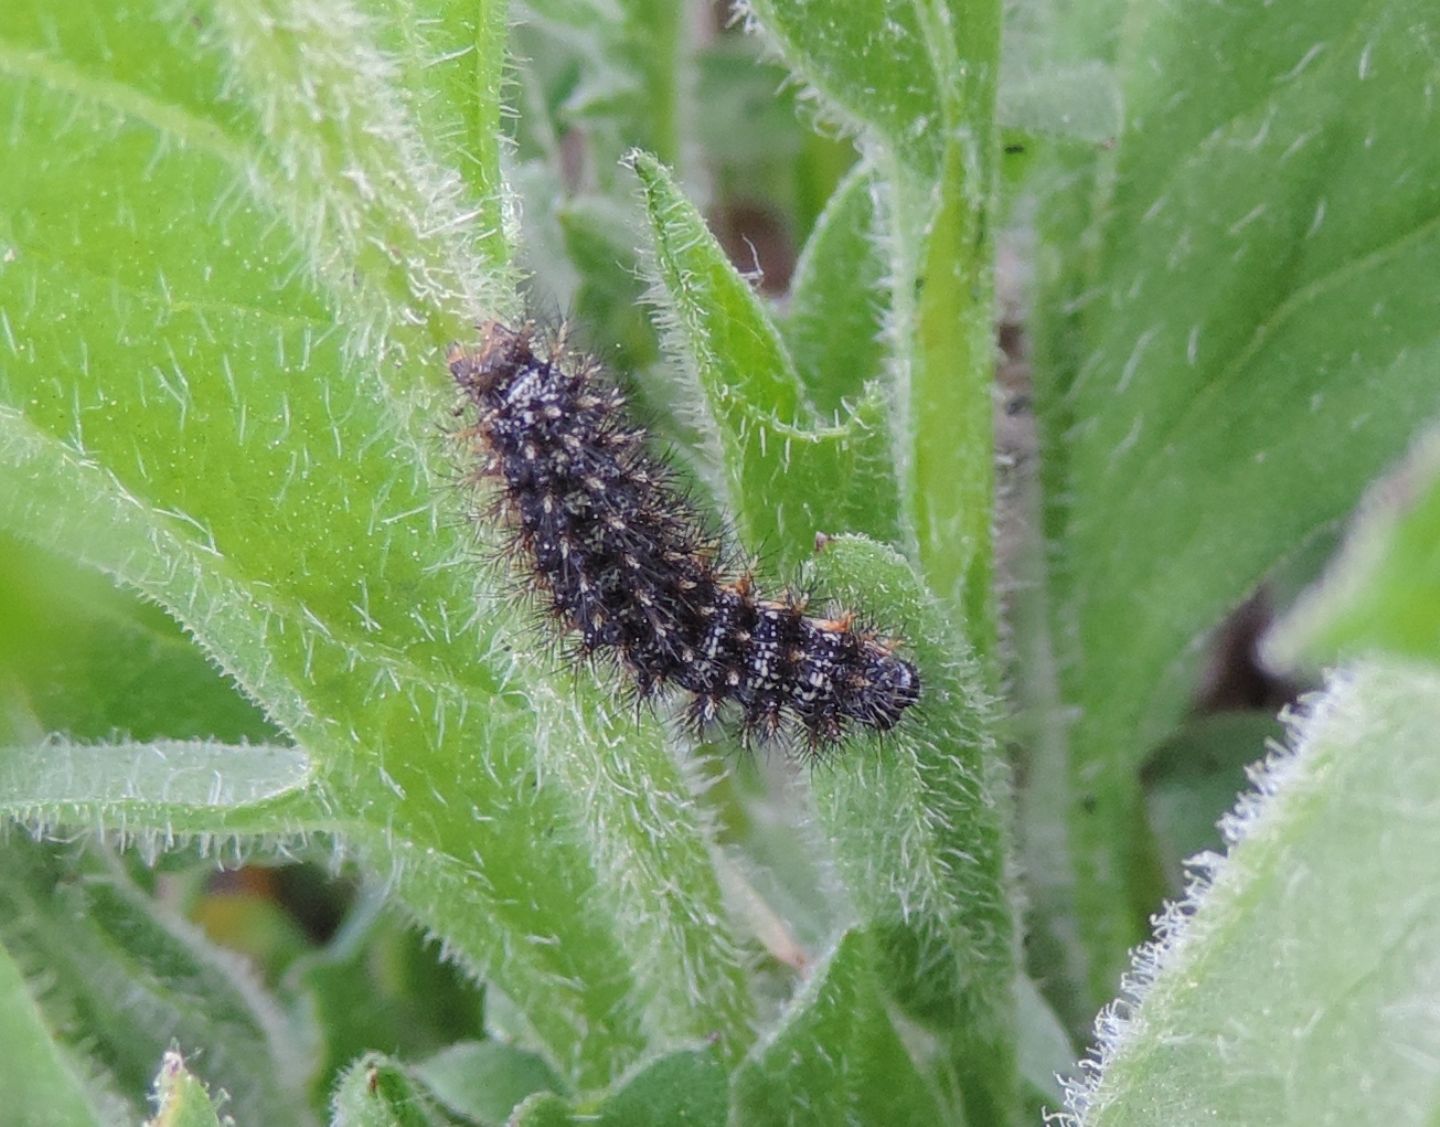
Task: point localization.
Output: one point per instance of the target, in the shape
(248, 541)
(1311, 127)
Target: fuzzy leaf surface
(1331, 873)
(835, 1057)
(45, 1080)
(245, 427)
(917, 81)
(914, 820)
(874, 65)
(126, 980)
(1249, 336)
(378, 1092)
(164, 787)
(182, 1099)
(790, 475)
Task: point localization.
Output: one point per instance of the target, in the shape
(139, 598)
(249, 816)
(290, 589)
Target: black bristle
(619, 556)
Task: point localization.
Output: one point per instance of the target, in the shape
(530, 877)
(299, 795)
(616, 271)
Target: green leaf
(450, 58)
(951, 372)
(379, 984)
(1382, 595)
(166, 787)
(1043, 1048)
(543, 1109)
(126, 980)
(837, 299)
(377, 1092)
(599, 241)
(628, 90)
(246, 430)
(87, 659)
(653, 43)
(485, 1081)
(873, 64)
(45, 1081)
(1078, 101)
(387, 227)
(1192, 780)
(1299, 985)
(685, 1087)
(750, 121)
(1248, 337)
(918, 80)
(835, 1056)
(182, 1099)
(789, 476)
(915, 823)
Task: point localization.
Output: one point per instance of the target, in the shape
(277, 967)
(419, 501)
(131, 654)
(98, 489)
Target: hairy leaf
(45, 1080)
(917, 81)
(873, 65)
(161, 788)
(378, 1092)
(125, 979)
(790, 475)
(1242, 335)
(181, 1099)
(914, 820)
(835, 1057)
(1300, 983)
(246, 428)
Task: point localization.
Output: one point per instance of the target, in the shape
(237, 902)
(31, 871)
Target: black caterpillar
(622, 557)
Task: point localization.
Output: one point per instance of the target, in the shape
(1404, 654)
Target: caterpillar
(623, 561)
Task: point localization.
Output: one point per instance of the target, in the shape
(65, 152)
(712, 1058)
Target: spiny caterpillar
(622, 558)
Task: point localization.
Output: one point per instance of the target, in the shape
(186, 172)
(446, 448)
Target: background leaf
(485, 1080)
(125, 980)
(380, 985)
(836, 1057)
(688, 1086)
(684, 1087)
(1383, 592)
(1193, 778)
(836, 321)
(917, 83)
(379, 1092)
(1331, 867)
(1210, 397)
(44, 1079)
(81, 656)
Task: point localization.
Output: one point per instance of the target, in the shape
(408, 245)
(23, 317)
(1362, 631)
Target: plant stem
(951, 467)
